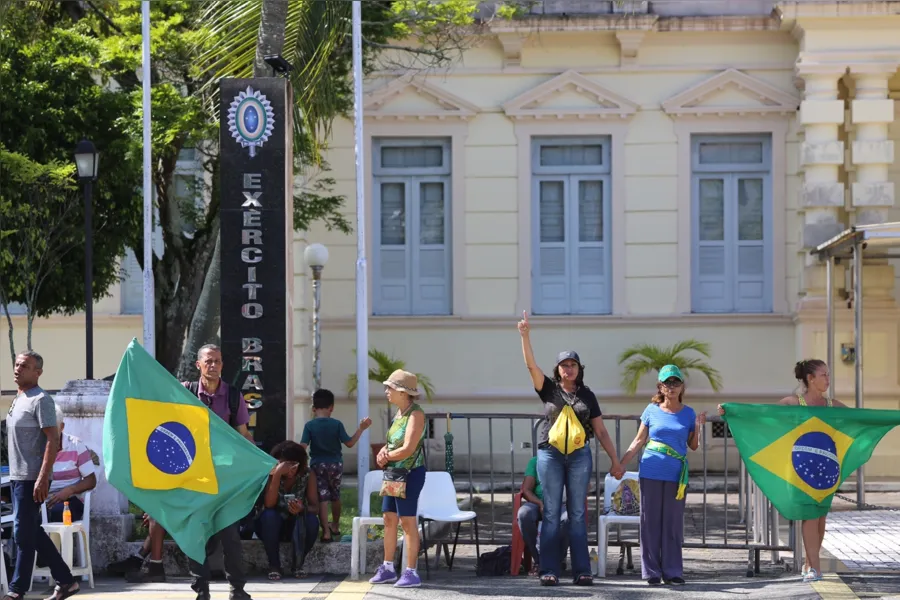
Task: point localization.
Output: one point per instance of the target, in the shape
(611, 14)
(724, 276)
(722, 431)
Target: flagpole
(362, 309)
(149, 294)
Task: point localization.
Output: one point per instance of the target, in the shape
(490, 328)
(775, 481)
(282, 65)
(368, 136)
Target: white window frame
(571, 176)
(731, 173)
(412, 178)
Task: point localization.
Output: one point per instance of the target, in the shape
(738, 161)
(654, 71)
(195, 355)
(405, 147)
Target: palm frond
(641, 359)
(385, 365)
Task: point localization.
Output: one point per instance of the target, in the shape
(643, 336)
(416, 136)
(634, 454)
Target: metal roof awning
(877, 240)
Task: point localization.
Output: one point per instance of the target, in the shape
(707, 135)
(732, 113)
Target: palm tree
(641, 359)
(385, 365)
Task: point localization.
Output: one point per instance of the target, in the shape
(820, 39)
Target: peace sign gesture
(523, 324)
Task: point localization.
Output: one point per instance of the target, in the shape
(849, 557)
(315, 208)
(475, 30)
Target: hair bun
(800, 370)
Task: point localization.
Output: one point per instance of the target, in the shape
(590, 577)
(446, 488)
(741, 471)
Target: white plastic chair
(371, 485)
(438, 503)
(67, 535)
(608, 518)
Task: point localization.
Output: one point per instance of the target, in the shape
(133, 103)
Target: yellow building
(639, 178)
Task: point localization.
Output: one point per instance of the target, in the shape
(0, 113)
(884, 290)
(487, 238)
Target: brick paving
(865, 540)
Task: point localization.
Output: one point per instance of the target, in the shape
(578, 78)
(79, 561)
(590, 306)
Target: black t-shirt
(554, 399)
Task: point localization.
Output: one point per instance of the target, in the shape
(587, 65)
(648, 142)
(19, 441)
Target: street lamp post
(86, 160)
(316, 256)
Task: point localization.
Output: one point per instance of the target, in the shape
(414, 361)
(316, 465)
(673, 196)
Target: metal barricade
(752, 526)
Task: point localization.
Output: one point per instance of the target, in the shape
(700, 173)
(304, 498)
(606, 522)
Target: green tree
(642, 359)
(51, 101)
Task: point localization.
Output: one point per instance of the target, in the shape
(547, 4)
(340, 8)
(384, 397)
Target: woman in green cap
(668, 428)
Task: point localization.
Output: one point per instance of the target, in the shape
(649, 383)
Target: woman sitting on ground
(288, 508)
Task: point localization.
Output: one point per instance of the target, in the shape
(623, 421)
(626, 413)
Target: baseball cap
(568, 355)
(670, 371)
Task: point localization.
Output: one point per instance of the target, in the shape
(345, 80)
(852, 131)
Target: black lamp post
(86, 159)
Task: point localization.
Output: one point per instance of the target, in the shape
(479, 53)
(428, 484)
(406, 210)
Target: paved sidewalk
(865, 540)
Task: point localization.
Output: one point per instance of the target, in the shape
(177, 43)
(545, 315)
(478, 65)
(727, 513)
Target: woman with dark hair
(668, 428)
(288, 508)
(572, 471)
(815, 379)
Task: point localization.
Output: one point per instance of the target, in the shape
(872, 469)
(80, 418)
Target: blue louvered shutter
(551, 269)
(751, 293)
(431, 257)
(711, 280)
(392, 287)
(590, 250)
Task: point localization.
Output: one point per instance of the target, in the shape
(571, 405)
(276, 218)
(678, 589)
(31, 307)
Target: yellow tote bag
(567, 434)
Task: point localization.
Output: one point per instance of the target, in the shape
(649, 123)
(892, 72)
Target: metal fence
(752, 526)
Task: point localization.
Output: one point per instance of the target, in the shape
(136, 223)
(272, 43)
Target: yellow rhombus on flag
(169, 446)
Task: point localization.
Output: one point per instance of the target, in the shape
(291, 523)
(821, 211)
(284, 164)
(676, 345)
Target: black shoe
(132, 563)
(203, 595)
(675, 581)
(654, 581)
(239, 594)
(154, 573)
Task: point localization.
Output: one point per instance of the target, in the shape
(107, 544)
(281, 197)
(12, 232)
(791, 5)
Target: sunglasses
(672, 383)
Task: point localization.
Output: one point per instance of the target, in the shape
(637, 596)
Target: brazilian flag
(173, 457)
(799, 456)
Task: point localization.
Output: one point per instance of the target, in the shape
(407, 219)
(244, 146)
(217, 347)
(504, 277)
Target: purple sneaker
(409, 579)
(384, 575)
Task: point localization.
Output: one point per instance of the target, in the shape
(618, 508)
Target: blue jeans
(573, 472)
(30, 537)
(272, 528)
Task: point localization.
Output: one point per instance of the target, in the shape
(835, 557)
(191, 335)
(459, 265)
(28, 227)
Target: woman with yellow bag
(572, 418)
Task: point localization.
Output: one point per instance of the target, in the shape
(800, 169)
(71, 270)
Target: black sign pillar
(256, 215)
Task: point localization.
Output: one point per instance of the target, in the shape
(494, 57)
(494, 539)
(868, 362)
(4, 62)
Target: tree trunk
(12, 339)
(30, 327)
(179, 278)
(271, 35)
(204, 327)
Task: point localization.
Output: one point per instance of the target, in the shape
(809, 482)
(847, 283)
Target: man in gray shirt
(33, 438)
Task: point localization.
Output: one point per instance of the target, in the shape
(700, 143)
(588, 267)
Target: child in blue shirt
(323, 436)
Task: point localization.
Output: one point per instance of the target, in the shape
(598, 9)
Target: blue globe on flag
(814, 458)
(171, 448)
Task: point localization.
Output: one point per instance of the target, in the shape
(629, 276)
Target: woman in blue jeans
(570, 471)
(288, 507)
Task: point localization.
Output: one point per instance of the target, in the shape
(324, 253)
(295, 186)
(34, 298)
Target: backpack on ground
(494, 563)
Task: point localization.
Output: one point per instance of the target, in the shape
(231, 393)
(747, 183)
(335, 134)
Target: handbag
(393, 482)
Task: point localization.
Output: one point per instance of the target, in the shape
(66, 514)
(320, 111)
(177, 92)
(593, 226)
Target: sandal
(335, 531)
(61, 594)
(326, 540)
(812, 576)
(274, 575)
(549, 580)
(584, 580)
(9, 596)
(300, 574)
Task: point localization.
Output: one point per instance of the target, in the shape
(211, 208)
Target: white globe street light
(316, 257)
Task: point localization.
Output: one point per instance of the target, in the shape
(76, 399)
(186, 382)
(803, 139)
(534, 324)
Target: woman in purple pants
(668, 428)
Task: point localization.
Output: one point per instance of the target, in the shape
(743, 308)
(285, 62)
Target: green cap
(670, 371)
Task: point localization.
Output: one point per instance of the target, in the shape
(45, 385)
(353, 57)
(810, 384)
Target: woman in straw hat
(402, 455)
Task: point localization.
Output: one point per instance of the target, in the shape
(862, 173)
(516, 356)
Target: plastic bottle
(67, 514)
(594, 560)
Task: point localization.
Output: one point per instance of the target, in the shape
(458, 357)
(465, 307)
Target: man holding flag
(187, 468)
(800, 451)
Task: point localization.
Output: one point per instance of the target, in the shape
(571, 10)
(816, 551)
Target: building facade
(645, 177)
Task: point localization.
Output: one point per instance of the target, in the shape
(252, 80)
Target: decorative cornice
(839, 10)
(448, 105)
(608, 104)
(385, 323)
(629, 45)
(512, 48)
(762, 98)
(635, 22)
